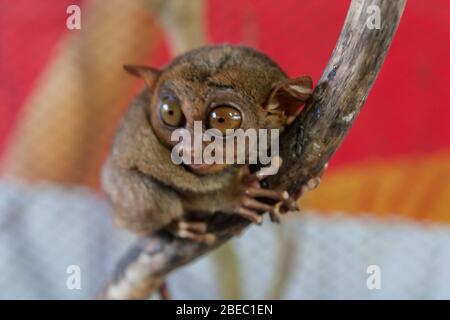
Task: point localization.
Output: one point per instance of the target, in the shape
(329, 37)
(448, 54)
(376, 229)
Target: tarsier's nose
(196, 151)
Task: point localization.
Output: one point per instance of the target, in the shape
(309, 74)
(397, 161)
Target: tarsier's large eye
(170, 111)
(224, 117)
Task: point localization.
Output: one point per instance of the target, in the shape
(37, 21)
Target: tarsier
(225, 87)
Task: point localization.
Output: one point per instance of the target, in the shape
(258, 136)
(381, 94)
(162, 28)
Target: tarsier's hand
(251, 204)
(255, 200)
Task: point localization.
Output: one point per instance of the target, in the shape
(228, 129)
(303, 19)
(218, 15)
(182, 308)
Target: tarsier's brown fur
(147, 190)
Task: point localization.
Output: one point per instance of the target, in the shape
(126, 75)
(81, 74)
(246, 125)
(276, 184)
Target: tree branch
(306, 146)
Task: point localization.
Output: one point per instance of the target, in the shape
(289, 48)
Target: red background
(406, 113)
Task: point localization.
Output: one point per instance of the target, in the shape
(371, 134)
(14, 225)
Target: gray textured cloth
(45, 228)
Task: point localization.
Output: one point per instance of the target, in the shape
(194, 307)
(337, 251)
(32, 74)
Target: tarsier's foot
(193, 230)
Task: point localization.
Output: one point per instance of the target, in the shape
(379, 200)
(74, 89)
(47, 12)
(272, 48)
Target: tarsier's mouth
(204, 168)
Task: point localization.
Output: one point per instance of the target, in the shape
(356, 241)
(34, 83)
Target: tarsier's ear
(149, 74)
(289, 95)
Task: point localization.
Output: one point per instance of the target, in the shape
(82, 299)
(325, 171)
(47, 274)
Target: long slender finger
(251, 203)
(199, 227)
(250, 215)
(207, 238)
(267, 193)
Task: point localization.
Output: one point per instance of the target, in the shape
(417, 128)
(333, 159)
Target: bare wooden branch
(306, 146)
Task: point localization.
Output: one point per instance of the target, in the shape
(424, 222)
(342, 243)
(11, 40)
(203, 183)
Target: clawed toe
(266, 193)
(193, 230)
(249, 214)
(312, 184)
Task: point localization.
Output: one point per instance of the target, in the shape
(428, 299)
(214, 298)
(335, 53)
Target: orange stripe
(414, 187)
